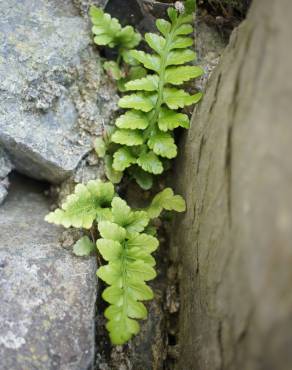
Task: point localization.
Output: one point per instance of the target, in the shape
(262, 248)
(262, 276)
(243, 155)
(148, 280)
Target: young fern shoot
(143, 139)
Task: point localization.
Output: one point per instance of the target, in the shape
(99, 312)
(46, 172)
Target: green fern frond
(130, 264)
(127, 243)
(81, 208)
(153, 106)
(108, 31)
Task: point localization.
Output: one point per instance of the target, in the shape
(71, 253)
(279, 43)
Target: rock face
(234, 242)
(47, 295)
(5, 168)
(50, 83)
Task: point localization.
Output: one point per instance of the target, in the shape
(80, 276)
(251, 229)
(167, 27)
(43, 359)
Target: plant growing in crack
(108, 32)
(142, 142)
(127, 240)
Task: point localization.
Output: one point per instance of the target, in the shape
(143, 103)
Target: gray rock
(209, 46)
(47, 87)
(84, 5)
(5, 168)
(47, 295)
(3, 193)
(5, 164)
(234, 242)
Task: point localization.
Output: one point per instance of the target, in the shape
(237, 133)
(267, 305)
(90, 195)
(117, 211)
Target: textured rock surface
(47, 295)
(84, 5)
(140, 13)
(234, 242)
(49, 79)
(5, 168)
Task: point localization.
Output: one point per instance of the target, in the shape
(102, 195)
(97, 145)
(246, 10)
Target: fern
(143, 140)
(127, 246)
(142, 144)
(127, 242)
(82, 208)
(130, 264)
(109, 32)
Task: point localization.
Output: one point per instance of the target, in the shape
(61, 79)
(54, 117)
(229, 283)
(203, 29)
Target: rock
(5, 164)
(3, 193)
(48, 295)
(209, 46)
(84, 5)
(4, 184)
(51, 85)
(5, 168)
(139, 13)
(234, 242)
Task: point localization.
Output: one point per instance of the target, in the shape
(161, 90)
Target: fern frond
(108, 31)
(82, 207)
(153, 108)
(130, 265)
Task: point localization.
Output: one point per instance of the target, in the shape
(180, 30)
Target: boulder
(234, 242)
(53, 94)
(48, 296)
